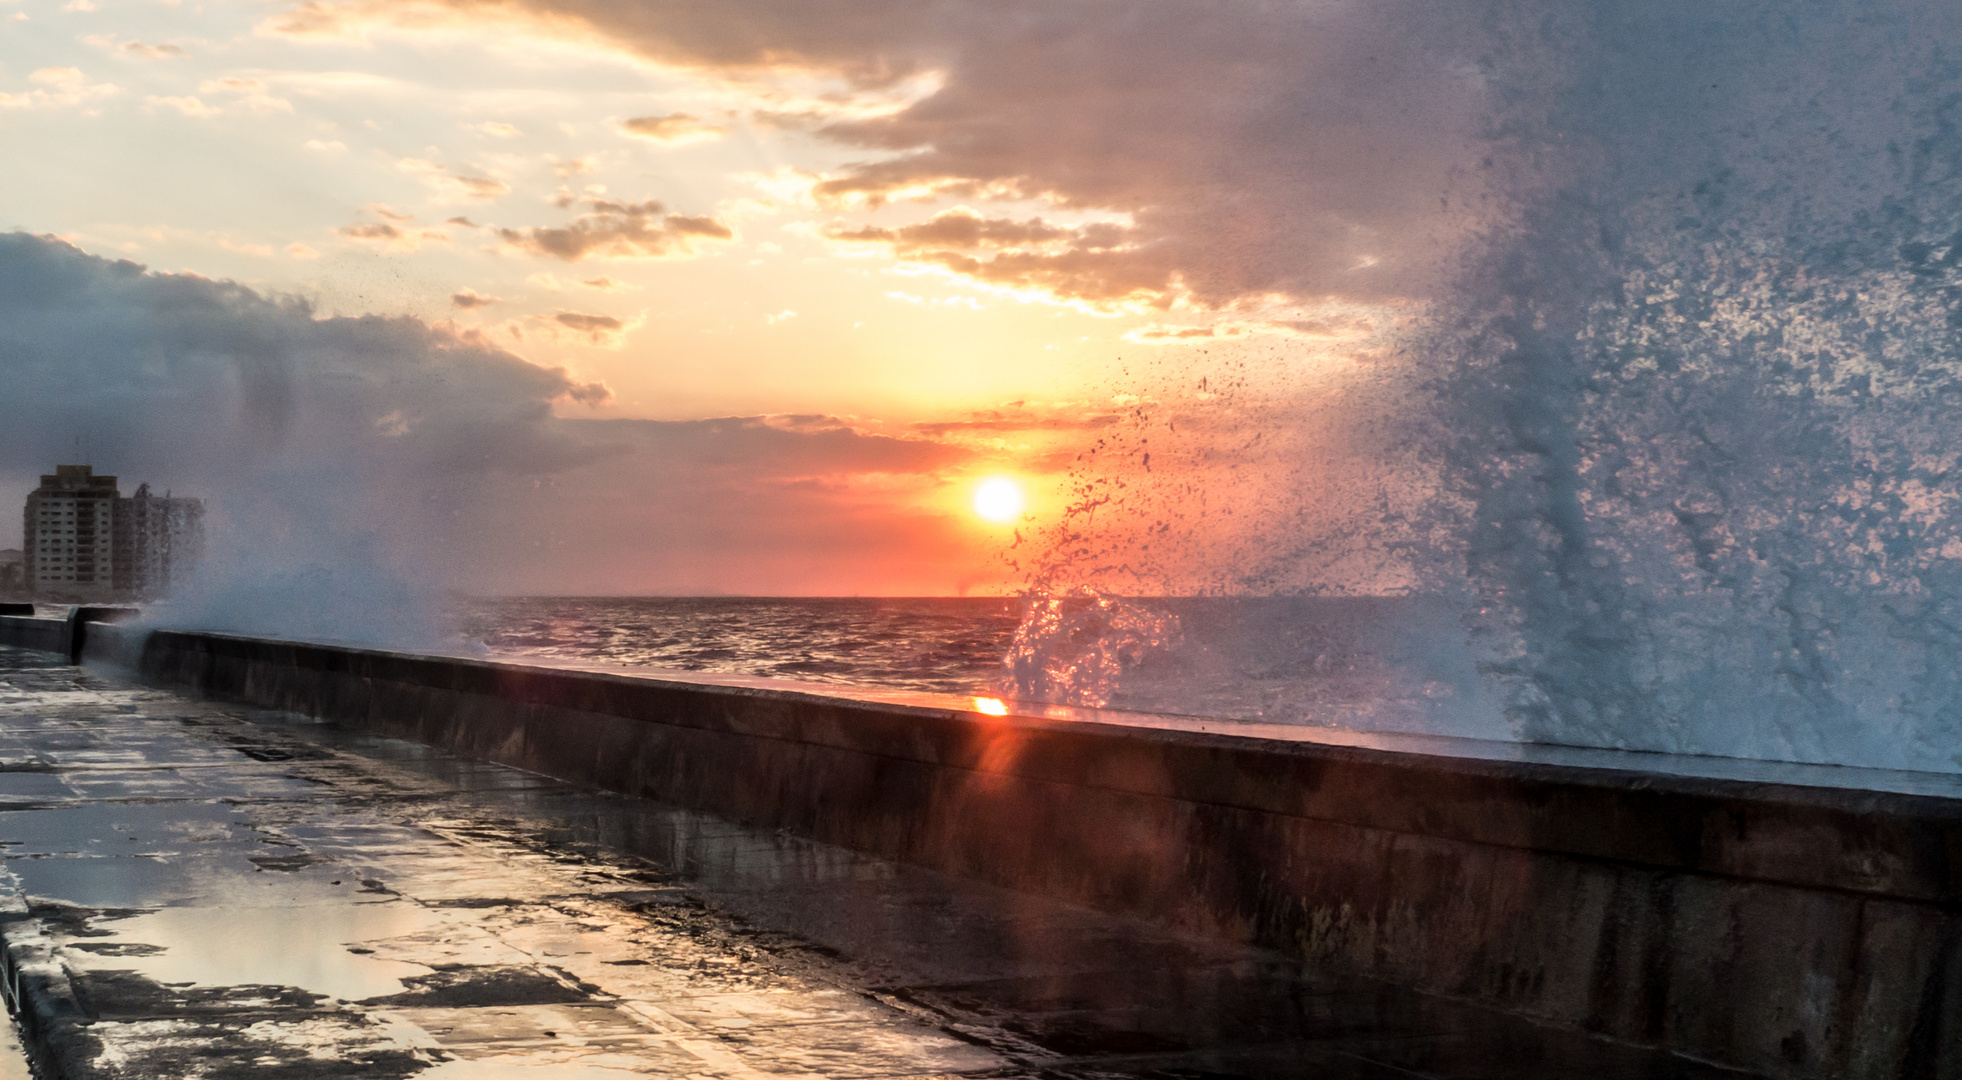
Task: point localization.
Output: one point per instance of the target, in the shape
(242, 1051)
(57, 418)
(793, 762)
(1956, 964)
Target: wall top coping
(1572, 763)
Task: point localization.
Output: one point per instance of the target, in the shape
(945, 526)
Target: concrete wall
(1799, 931)
(66, 635)
(26, 632)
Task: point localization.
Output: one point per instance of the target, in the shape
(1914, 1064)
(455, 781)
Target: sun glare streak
(999, 500)
(991, 706)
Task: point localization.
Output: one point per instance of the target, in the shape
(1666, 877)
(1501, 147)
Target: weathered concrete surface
(1777, 919)
(67, 635)
(28, 632)
(196, 890)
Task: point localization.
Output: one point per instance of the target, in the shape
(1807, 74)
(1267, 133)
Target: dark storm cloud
(215, 383)
(329, 446)
(1301, 148)
(184, 373)
(339, 456)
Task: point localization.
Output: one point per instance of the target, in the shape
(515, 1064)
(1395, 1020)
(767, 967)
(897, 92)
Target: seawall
(28, 632)
(1796, 921)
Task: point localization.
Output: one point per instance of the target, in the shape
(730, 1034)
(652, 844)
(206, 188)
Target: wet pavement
(189, 889)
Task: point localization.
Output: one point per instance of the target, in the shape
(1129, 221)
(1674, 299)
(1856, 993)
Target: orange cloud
(606, 284)
(1334, 329)
(598, 329)
(58, 88)
(673, 129)
(189, 106)
(615, 230)
(159, 51)
(251, 95)
(396, 232)
(449, 186)
(1100, 263)
(1254, 150)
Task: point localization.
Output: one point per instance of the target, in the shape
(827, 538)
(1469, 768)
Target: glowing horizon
(740, 259)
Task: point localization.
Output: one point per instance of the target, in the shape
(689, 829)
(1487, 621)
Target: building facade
(70, 538)
(13, 579)
(158, 539)
(85, 542)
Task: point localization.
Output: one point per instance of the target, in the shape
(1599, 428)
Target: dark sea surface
(1379, 664)
(939, 645)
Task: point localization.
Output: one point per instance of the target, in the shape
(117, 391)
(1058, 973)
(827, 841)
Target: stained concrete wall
(1798, 931)
(26, 632)
(66, 635)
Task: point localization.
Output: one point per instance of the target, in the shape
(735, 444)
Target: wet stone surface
(189, 889)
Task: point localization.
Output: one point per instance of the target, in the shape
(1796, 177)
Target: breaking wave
(1694, 480)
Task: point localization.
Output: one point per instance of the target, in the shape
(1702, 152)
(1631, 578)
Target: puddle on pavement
(306, 948)
(506, 1070)
(13, 1059)
(247, 896)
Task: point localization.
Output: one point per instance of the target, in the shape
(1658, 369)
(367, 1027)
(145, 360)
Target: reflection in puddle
(200, 899)
(13, 1059)
(300, 947)
(522, 1069)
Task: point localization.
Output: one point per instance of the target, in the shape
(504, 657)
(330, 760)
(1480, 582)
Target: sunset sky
(649, 296)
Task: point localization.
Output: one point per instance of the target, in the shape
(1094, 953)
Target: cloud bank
(357, 466)
(1294, 149)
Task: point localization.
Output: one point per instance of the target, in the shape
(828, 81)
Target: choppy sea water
(952, 646)
(1375, 664)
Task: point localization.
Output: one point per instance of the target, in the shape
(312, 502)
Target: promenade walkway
(190, 889)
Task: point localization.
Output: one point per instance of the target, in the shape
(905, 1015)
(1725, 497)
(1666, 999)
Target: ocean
(943, 645)
(1386, 664)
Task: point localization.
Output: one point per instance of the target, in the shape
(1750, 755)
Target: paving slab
(190, 889)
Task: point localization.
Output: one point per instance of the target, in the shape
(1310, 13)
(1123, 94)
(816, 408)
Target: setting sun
(999, 499)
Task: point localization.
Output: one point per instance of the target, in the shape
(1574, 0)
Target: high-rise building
(85, 542)
(70, 534)
(158, 540)
(13, 582)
